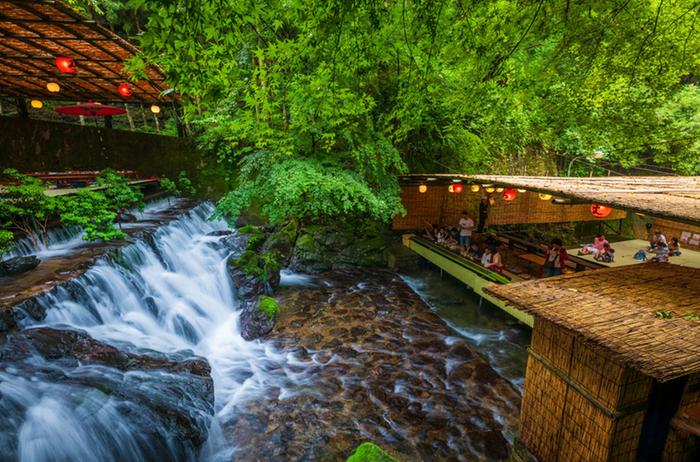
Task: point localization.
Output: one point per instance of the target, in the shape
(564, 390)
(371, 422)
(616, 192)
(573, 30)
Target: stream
(114, 371)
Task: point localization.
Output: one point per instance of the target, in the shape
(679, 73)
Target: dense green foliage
(6, 241)
(92, 211)
(25, 207)
(119, 194)
(183, 186)
(369, 452)
(315, 106)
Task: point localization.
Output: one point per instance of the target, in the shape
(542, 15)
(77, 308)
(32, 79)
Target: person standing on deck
(466, 226)
(483, 213)
(555, 258)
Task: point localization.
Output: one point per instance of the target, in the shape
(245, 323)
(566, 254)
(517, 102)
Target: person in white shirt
(466, 226)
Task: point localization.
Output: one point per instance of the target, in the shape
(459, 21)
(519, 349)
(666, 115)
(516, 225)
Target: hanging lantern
(421, 189)
(509, 194)
(53, 87)
(156, 110)
(124, 90)
(499, 190)
(36, 104)
(522, 190)
(457, 187)
(475, 188)
(65, 65)
(600, 211)
(451, 188)
(545, 197)
(489, 190)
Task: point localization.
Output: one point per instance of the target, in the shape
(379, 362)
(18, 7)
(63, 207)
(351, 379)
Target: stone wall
(31, 145)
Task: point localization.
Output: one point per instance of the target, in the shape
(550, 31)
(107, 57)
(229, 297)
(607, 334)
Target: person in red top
(555, 258)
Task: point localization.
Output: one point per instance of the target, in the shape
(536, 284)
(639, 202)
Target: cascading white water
(169, 293)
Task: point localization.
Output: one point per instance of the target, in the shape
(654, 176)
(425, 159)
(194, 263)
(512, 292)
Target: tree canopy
(315, 106)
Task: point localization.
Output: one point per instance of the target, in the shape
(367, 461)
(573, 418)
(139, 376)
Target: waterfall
(169, 294)
(63, 240)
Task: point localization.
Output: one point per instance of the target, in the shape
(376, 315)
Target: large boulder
(169, 398)
(328, 247)
(18, 265)
(258, 317)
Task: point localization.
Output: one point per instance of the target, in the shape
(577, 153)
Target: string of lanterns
(509, 195)
(67, 65)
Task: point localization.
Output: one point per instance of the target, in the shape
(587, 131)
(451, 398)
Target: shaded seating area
(614, 365)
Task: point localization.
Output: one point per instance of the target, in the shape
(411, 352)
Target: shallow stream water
(385, 367)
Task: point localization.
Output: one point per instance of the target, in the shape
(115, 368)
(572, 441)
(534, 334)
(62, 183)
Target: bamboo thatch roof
(673, 197)
(615, 310)
(34, 32)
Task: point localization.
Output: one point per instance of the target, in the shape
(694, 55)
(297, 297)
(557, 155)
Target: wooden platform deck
(625, 250)
(472, 274)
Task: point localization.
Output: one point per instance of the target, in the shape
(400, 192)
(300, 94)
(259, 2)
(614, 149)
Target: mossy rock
(370, 452)
(269, 306)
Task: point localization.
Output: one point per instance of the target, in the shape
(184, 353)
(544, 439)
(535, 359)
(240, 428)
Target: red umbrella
(91, 110)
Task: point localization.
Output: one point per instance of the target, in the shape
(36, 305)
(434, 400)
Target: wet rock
(312, 340)
(255, 322)
(18, 265)
(327, 247)
(126, 218)
(246, 285)
(169, 396)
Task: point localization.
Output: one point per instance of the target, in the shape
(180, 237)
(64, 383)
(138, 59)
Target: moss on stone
(370, 452)
(269, 306)
(248, 263)
(250, 229)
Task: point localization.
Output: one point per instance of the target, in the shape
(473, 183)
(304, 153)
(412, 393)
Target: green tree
(25, 208)
(94, 213)
(361, 90)
(119, 194)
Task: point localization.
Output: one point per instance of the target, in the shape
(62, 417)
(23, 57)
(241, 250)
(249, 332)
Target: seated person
(475, 252)
(658, 240)
(598, 242)
(661, 252)
(492, 259)
(674, 247)
(430, 232)
(606, 254)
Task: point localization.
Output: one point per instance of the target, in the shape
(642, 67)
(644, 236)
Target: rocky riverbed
(386, 369)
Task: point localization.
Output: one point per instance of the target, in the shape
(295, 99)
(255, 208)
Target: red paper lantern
(124, 90)
(457, 187)
(509, 194)
(600, 211)
(65, 65)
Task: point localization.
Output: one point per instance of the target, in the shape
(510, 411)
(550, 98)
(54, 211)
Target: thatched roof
(673, 197)
(34, 32)
(615, 310)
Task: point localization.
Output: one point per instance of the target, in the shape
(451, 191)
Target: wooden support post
(155, 117)
(22, 108)
(128, 116)
(177, 112)
(108, 122)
